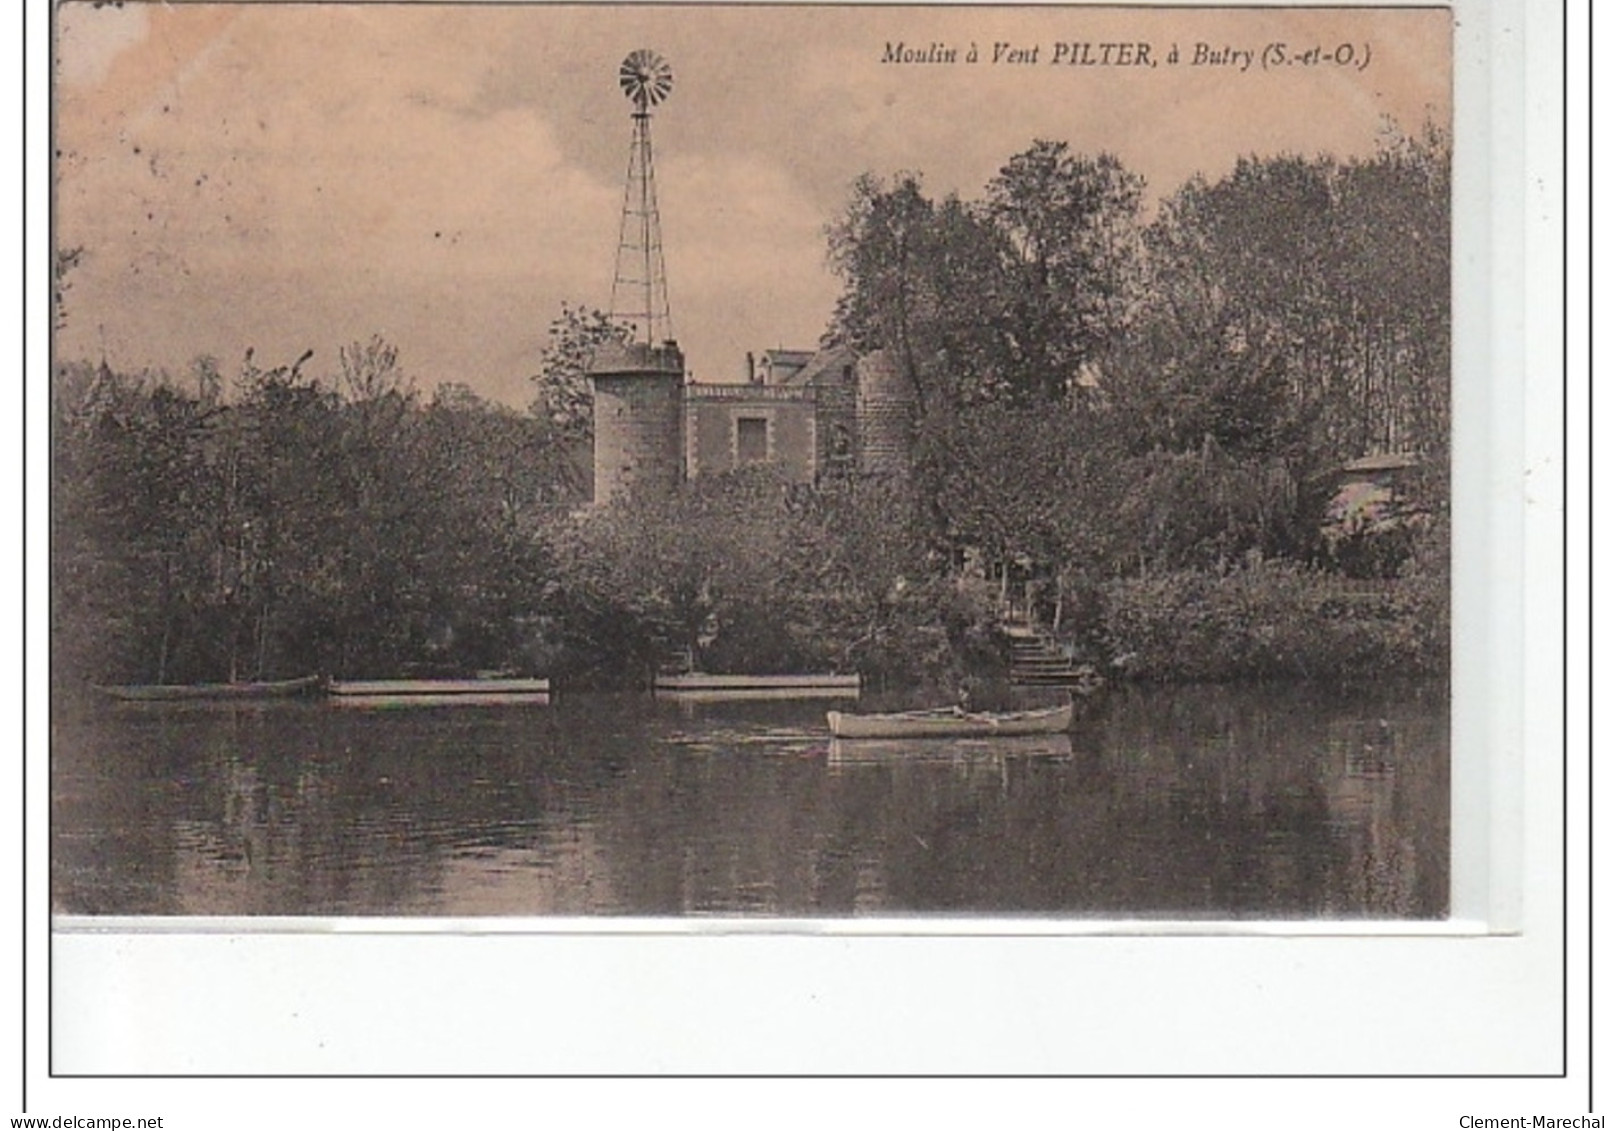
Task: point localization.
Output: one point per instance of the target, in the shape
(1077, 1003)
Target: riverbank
(1266, 621)
(1275, 620)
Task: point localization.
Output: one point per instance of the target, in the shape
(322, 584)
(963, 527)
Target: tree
(501, 479)
(282, 469)
(1336, 272)
(875, 248)
(865, 589)
(561, 386)
(1393, 241)
(305, 523)
(998, 312)
(1073, 224)
(132, 498)
(208, 380)
(369, 372)
(931, 284)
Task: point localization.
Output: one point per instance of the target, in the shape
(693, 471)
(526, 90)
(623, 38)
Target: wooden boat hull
(438, 692)
(955, 724)
(191, 692)
(700, 681)
(753, 694)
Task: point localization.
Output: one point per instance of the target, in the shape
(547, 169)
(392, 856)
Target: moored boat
(699, 695)
(701, 681)
(177, 692)
(951, 722)
(438, 692)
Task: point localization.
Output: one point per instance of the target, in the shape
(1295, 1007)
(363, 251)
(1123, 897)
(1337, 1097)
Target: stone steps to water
(675, 661)
(1036, 660)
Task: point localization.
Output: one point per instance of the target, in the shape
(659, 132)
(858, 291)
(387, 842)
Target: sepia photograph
(779, 462)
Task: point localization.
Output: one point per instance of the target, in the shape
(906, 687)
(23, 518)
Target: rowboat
(176, 692)
(951, 722)
(438, 692)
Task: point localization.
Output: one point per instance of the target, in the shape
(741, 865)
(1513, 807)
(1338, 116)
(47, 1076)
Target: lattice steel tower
(639, 288)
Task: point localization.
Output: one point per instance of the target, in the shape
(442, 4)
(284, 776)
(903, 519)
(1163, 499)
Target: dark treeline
(1147, 413)
(342, 524)
(285, 523)
(1297, 303)
(1135, 414)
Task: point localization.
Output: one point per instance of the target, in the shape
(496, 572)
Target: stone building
(638, 416)
(813, 415)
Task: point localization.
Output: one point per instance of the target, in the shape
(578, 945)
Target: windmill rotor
(646, 78)
(639, 287)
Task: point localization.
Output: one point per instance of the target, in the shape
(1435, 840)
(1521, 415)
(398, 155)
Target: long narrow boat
(437, 692)
(176, 692)
(701, 681)
(951, 722)
(752, 694)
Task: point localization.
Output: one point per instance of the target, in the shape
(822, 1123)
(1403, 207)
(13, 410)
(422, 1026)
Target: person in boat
(978, 695)
(966, 695)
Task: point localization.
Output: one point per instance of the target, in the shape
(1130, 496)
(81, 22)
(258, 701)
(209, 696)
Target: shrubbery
(1139, 414)
(748, 573)
(1275, 620)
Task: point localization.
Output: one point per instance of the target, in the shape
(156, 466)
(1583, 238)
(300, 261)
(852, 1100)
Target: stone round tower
(638, 417)
(885, 416)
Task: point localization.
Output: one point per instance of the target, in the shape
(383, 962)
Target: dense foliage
(780, 578)
(1270, 620)
(1104, 395)
(282, 527)
(1138, 414)
(561, 393)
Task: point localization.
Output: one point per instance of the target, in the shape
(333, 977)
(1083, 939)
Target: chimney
(751, 368)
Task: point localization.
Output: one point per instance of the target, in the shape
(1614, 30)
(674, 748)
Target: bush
(1274, 620)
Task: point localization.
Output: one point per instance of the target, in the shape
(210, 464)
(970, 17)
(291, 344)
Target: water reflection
(1200, 802)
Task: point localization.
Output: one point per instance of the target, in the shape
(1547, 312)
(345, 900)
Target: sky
(304, 176)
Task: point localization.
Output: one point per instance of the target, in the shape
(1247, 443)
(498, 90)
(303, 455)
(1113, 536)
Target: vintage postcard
(755, 462)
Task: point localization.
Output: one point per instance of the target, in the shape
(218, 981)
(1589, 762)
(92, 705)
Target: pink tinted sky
(446, 175)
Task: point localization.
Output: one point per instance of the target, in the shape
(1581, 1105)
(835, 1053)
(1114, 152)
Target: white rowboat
(437, 692)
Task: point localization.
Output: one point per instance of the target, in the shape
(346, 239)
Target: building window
(751, 440)
(840, 457)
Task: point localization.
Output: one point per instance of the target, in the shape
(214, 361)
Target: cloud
(746, 259)
(302, 175)
(294, 188)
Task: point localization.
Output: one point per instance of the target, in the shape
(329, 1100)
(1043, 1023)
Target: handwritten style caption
(1080, 53)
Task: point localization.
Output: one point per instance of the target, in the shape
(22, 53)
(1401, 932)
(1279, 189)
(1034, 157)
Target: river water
(1194, 803)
